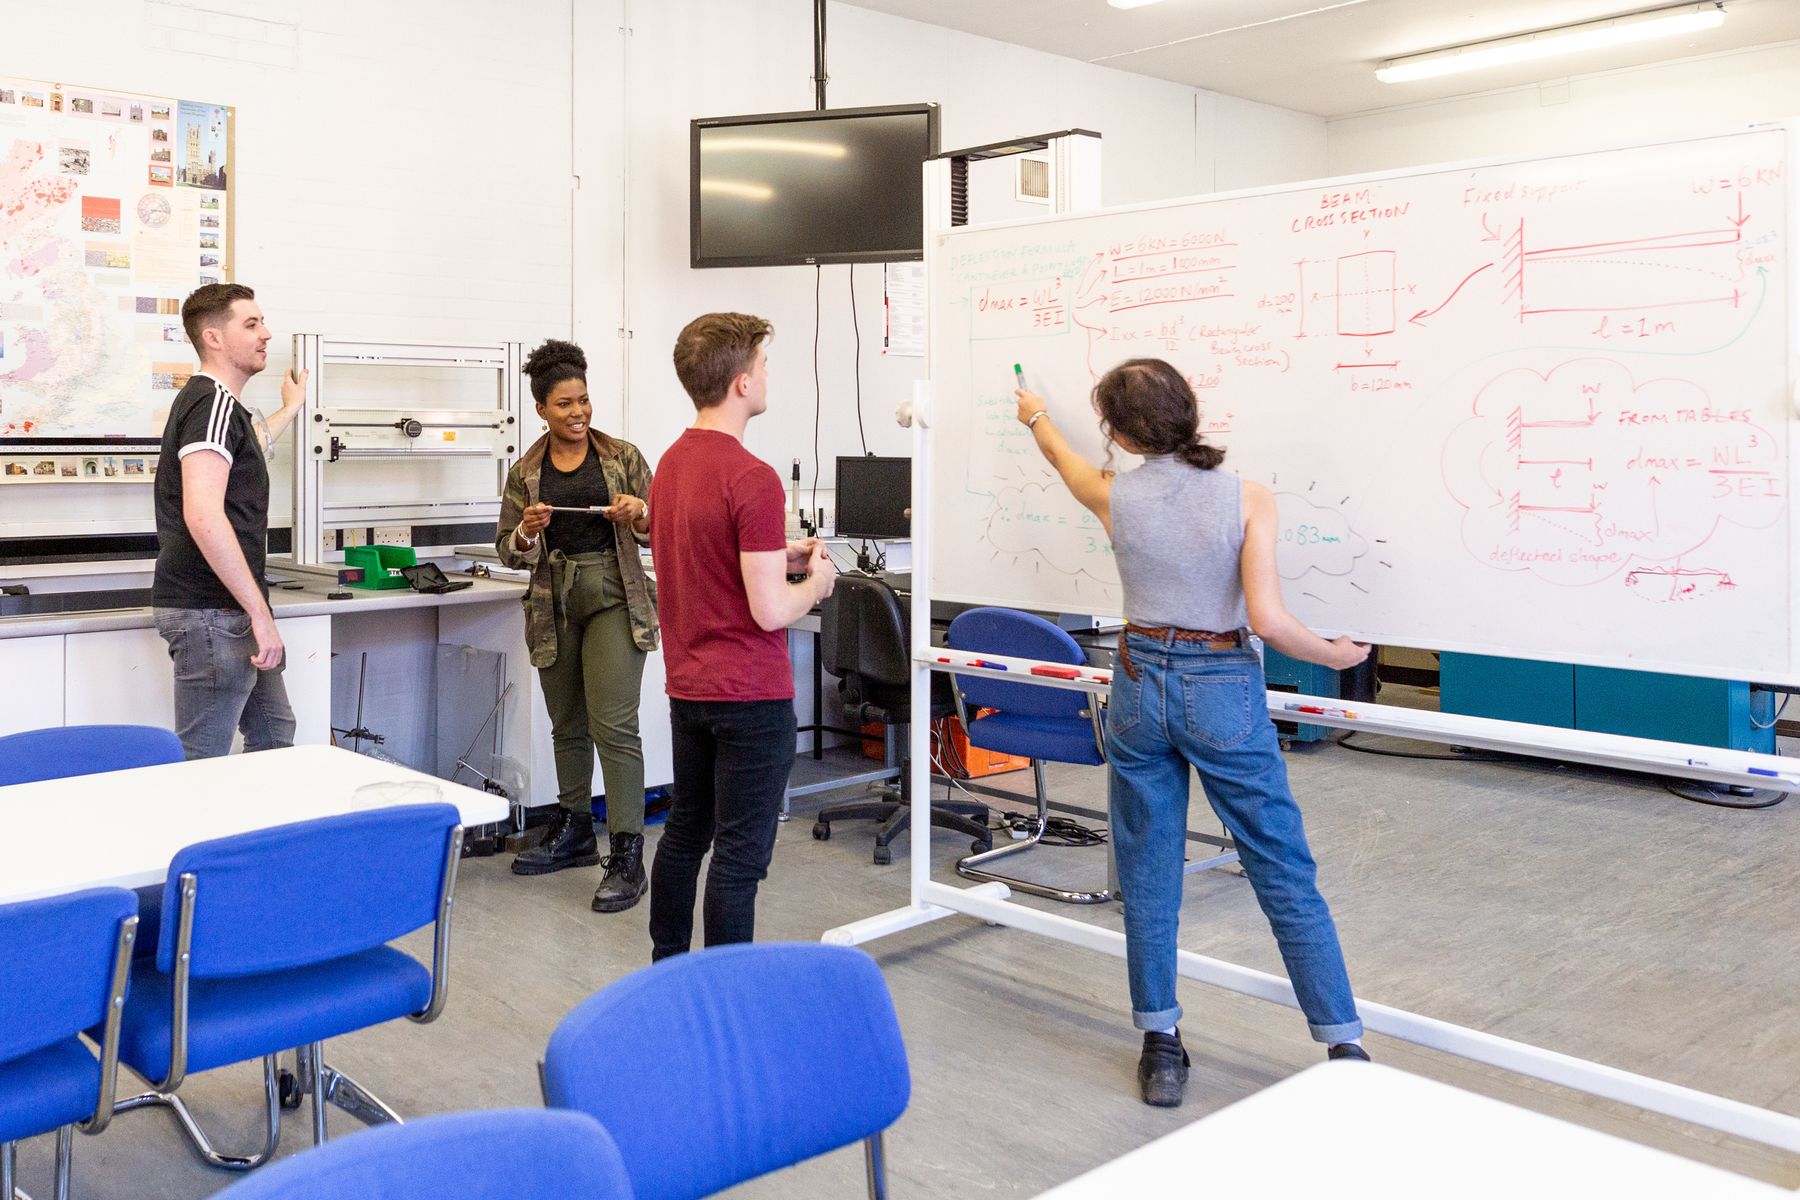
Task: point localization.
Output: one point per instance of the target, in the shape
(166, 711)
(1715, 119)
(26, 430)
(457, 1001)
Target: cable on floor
(1700, 793)
(1458, 756)
(1058, 831)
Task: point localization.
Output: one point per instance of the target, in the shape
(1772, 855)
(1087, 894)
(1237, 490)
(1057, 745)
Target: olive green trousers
(592, 690)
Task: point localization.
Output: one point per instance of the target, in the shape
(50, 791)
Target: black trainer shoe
(625, 882)
(1348, 1050)
(569, 842)
(1162, 1069)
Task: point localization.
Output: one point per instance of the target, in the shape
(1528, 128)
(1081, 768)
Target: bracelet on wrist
(1036, 417)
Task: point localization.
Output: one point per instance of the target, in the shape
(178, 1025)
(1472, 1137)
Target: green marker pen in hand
(1019, 374)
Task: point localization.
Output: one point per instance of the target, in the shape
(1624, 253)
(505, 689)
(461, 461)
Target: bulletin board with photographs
(113, 207)
(23, 466)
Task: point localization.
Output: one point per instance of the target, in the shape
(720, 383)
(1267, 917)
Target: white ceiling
(1319, 56)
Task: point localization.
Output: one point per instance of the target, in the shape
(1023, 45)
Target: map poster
(113, 207)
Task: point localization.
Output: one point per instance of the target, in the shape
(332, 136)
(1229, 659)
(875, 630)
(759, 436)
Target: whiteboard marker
(1019, 374)
(1765, 771)
(1317, 711)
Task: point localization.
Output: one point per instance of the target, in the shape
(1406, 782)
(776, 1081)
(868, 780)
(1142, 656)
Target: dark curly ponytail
(1151, 405)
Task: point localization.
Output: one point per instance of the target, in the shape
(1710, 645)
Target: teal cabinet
(1507, 689)
(1286, 674)
(1675, 708)
(1670, 708)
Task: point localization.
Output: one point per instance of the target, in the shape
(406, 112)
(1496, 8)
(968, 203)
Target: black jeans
(732, 759)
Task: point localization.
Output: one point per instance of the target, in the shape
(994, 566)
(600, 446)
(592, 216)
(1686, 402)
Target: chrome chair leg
(195, 1135)
(973, 866)
(65, 1161)
(328, 1085)
(309, 1070)
(355, 1099)
(875, 1159)
(9, 1171)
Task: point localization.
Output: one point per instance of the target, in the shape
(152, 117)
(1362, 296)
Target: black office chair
(862, 640)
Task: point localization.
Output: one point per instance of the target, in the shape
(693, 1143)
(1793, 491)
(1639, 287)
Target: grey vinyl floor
(1589, 913)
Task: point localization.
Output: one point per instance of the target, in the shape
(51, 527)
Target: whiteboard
(1538, 408)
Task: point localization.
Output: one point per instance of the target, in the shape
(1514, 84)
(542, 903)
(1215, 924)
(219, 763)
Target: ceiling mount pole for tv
(820, 78)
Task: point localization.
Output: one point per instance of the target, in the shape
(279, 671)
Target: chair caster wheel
(821, 831)
(289, 1088)
(884, 855)
(980, 847)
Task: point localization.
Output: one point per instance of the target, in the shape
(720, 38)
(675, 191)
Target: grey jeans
(217, 690)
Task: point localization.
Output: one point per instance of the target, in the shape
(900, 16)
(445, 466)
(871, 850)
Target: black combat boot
(568, 842)
(625, 882)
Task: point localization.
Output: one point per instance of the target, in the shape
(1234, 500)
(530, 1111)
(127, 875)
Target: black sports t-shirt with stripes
(207, 418)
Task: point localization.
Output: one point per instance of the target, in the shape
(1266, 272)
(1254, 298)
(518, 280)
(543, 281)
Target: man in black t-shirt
(212, 528)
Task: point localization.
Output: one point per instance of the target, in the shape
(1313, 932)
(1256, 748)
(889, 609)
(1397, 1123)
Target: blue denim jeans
(217, 688)
(1194, 705)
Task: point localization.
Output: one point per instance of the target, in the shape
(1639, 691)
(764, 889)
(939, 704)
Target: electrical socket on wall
(393, 535)
(352, 537)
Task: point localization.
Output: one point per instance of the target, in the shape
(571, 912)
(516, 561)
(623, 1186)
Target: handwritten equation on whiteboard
(1534, 407)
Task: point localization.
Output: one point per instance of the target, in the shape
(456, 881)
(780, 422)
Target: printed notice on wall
(903, 292)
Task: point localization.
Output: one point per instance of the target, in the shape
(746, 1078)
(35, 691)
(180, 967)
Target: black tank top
(585, 486)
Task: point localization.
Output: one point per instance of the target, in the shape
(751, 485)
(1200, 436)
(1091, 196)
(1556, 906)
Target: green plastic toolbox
(381, 565)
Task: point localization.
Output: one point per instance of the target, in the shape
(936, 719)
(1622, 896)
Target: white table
(121, 828)
(1361, 1129)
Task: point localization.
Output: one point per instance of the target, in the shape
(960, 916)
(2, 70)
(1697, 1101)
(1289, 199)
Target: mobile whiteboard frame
(932, 901)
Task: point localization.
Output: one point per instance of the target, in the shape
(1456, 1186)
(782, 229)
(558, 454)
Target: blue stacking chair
(261, 951)
(529, 1153)
(1041, 723)
(741, 1060)
(67, 750)
(66, 963)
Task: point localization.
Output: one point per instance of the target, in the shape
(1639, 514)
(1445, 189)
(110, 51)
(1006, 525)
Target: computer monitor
(874, 497)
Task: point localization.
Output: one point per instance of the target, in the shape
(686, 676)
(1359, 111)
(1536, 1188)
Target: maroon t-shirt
(711, 499)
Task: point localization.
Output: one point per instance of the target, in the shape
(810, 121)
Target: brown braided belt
(1206, 637)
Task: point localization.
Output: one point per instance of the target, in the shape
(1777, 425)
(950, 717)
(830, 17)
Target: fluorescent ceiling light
(779, 145)
(736, 190)
(1567, 39)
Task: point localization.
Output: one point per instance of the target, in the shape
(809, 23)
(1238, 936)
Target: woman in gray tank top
(1196, 554)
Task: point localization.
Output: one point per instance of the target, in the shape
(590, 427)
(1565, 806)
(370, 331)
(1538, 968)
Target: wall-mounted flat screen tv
(782, 189)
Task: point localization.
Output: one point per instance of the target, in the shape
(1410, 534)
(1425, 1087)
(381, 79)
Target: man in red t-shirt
(718, 539)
